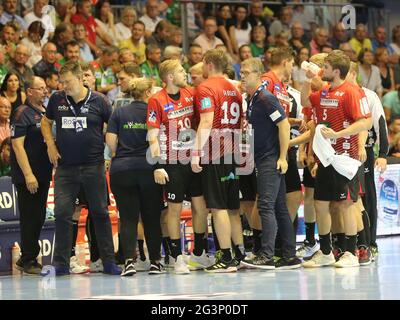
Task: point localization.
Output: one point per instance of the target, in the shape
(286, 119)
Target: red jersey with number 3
(276, 87)
(174, 118)
(338, 108)
(220, 96)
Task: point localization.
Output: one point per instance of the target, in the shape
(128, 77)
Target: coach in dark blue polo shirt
(271, 133)
(79, 114)
(30, 172)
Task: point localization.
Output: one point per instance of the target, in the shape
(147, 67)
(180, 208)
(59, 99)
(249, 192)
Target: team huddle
(230, 148)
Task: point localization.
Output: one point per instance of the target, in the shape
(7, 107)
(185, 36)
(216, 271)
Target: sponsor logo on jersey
(62, 108)
(230, 93)
(72, 122)
(85, 109)
(329, 103)
(168, 107)
(152, 116)
(283, 97)
(277, 87)
(339, 94)
(180, 113)
(324, 93)
(134, 125)
(205, 103)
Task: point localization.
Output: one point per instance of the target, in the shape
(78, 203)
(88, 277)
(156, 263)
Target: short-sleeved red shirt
(89, 23)
(220, 96)
(278, 89)
(174, 118)
(338, 108)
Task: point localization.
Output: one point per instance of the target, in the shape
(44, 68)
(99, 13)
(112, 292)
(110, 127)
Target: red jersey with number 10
(276, 87)
(220, 96)
(174, 118)
(338, 108)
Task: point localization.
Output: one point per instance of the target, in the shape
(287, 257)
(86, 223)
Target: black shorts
(183, 183)
(292, 176)
(308, 180)
(361, 179)
(332, 186)
(248, 186)
(221, 186)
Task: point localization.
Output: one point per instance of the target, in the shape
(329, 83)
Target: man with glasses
(270, 126)
(30, 172)
(48, 63)
(18, 63)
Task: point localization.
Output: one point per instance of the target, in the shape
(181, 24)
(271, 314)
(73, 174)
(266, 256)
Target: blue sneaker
(111, 268)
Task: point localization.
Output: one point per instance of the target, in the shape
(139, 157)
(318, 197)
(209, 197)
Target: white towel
(344, 165)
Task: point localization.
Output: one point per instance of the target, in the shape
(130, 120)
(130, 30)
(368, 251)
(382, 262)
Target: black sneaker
(129, 269)
(288, 263)
(260, 262)
(236, 261)
(222, 266)
(30, 268)
(156, 268)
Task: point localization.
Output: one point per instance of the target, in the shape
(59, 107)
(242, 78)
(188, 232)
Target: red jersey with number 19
(338, 108)
(174, 118)
(220, 96)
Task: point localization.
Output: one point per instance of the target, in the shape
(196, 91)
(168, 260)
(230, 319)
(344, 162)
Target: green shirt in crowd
(151, 72)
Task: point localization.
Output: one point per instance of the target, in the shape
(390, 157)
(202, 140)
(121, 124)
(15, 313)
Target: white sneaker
(96, 266)
(76, 268)
(180, 266)
(201, 262)
(347, 260)
(306, 251)
(320, 260)
(141, 265)
(170, 264)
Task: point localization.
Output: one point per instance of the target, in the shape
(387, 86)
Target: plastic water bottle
(390, 201)
(309, 66)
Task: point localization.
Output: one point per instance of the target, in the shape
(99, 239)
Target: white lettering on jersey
(69, 122)
(329, 103)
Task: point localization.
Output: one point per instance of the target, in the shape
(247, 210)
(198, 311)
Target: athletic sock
(351, 244)
(198, 244)
(176, 248)
(141, 250)
(325, 241)
(256, 240)
(310, 233)
(226, 255)
(205, 244)
(238, 250)
(361, 239)
(339, 241)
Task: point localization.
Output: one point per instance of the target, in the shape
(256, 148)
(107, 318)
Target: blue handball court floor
(380, 280)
